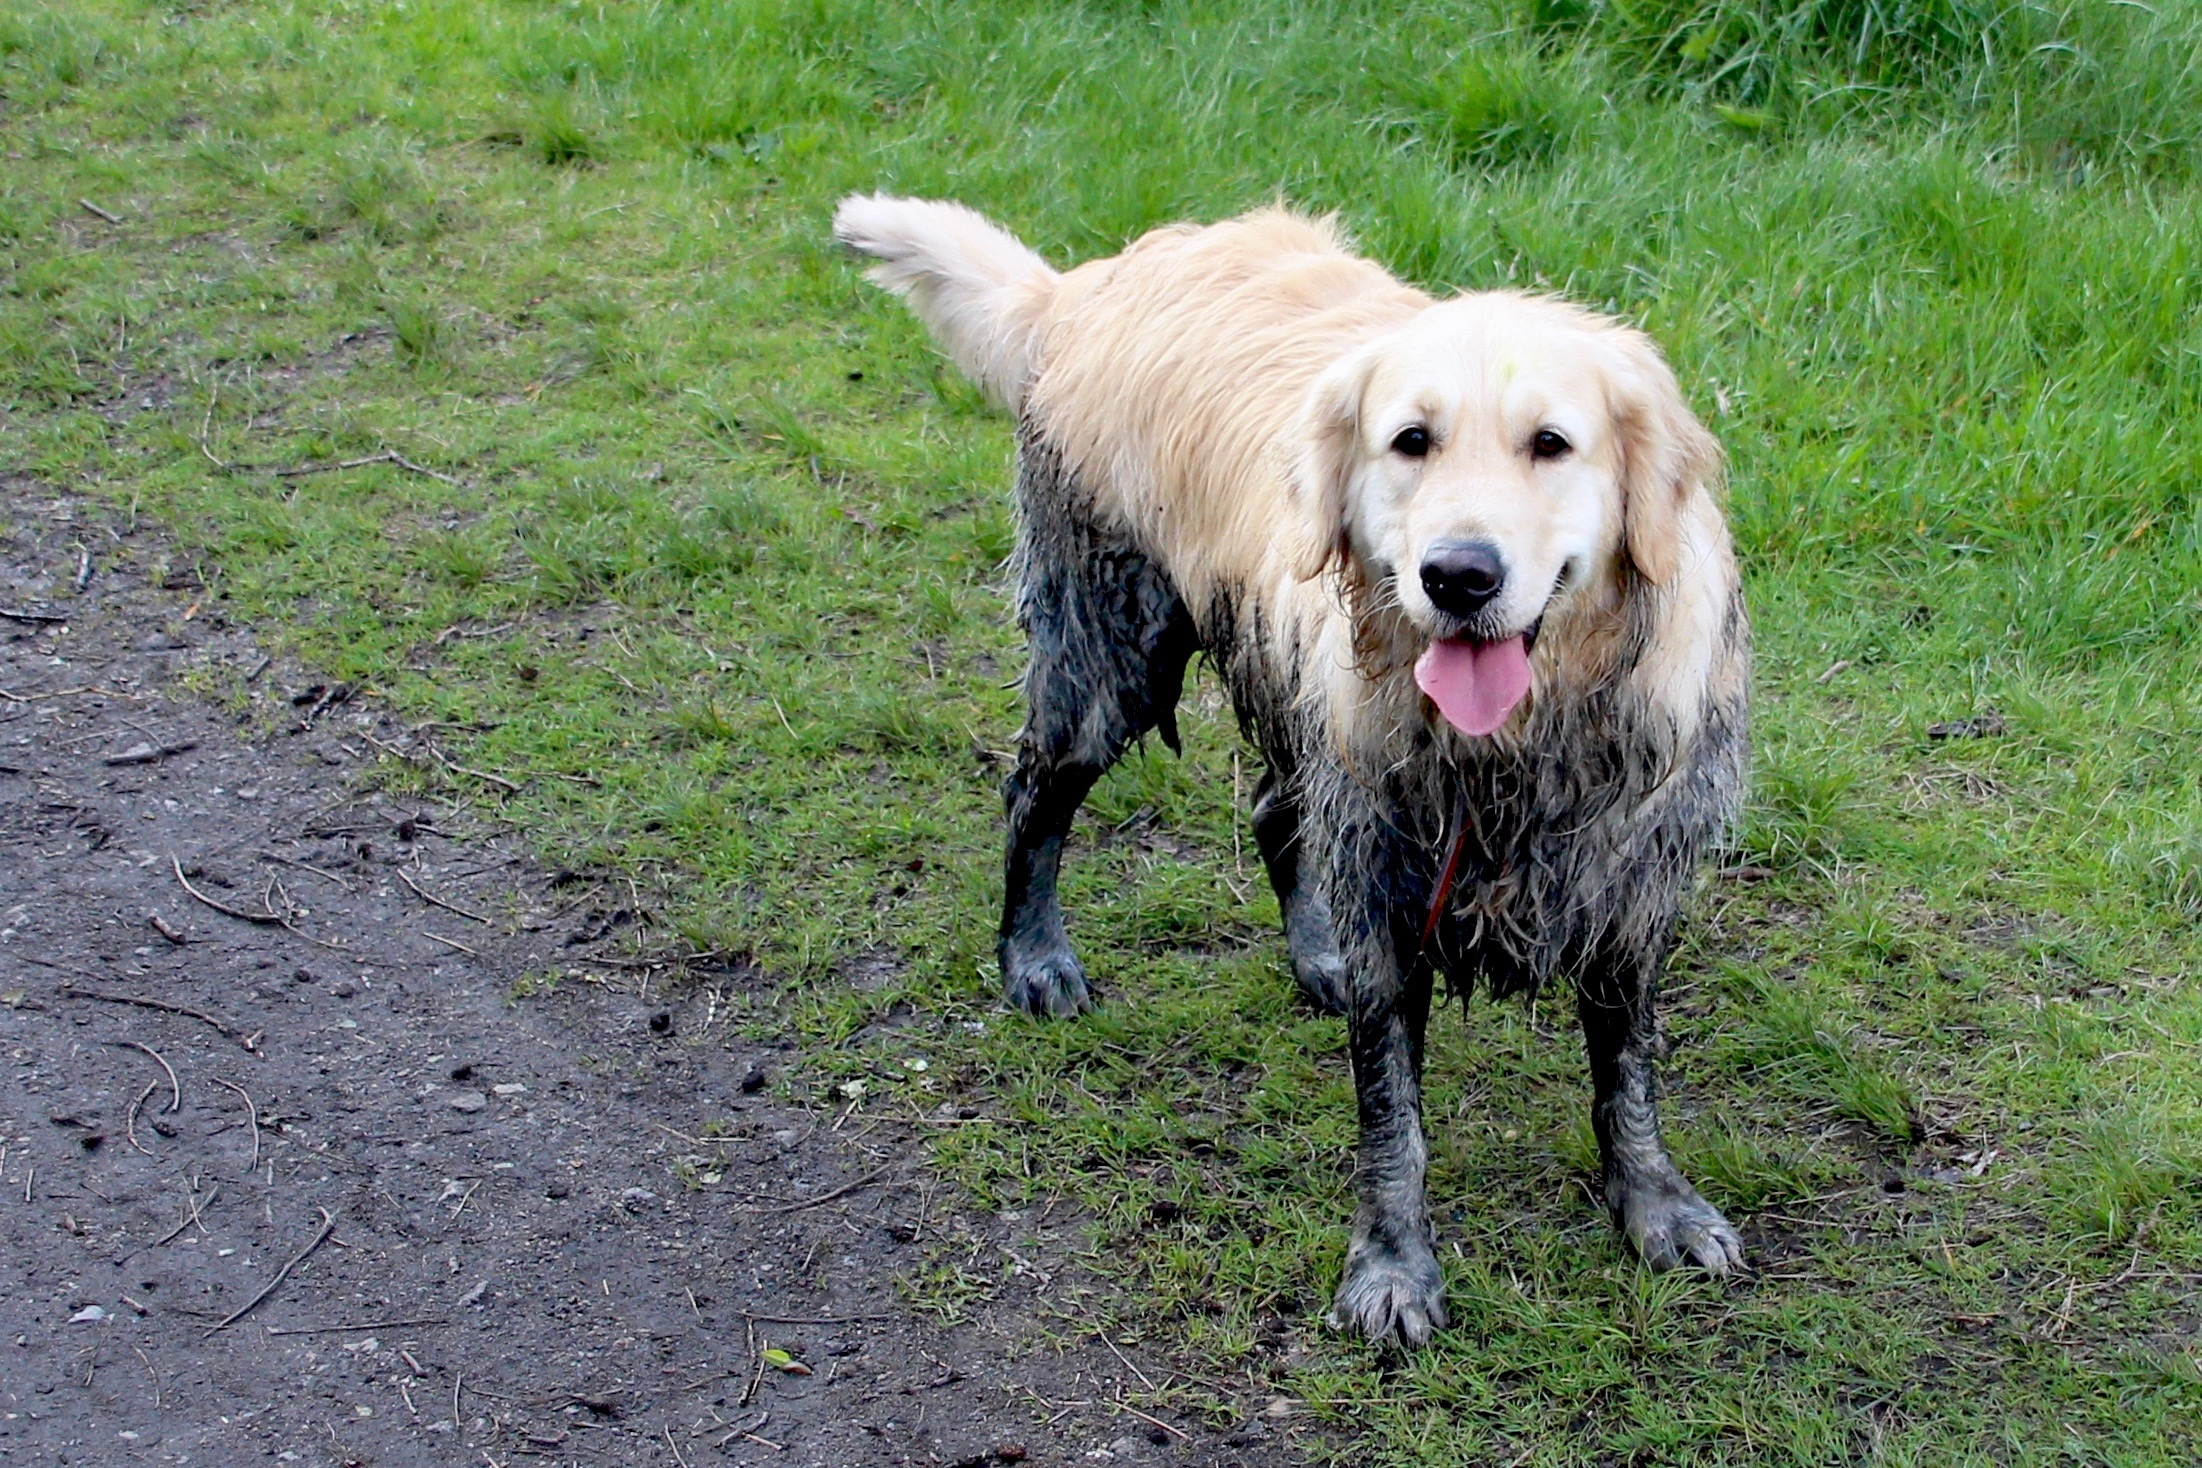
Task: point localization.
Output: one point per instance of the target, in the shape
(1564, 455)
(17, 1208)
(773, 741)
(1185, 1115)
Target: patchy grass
(728, 544)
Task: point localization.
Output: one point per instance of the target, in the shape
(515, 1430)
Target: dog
(1463, 567)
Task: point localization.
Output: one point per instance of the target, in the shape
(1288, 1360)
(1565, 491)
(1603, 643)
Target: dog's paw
(1390, 1295)
(1670, 1225)
(1045, 981)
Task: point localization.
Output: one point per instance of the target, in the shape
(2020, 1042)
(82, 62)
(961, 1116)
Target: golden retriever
(1463, 567)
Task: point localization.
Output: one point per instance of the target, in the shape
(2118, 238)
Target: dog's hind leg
(1652, 1204)
(1109, 641)
(1308, 933)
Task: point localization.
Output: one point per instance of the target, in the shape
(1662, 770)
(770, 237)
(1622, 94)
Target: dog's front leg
(1309, 934)
(1393, 1288)
(1652, 1203)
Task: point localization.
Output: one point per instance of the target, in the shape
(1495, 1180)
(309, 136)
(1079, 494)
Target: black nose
(1462, 576)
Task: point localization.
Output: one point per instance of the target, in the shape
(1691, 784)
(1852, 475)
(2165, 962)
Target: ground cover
(709, 563)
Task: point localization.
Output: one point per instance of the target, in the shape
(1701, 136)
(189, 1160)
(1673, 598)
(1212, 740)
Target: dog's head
(1493, 457)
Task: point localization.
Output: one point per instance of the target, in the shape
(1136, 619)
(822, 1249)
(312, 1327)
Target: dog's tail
(974, 284)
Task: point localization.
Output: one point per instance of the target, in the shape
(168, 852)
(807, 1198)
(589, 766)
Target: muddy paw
(1670, 1224)
(1390, 1295)
(1045, 980)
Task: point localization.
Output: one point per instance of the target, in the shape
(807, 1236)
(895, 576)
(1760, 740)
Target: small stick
(675, 1450)
(348, 1329)
(321, 1236)
(150, 753)
(130, 1118)
(451, 943)
(163, 927)
(191, 1202)
(149, 1371)
(841, 1192)
(83, 577)
(71, 991)
(270, 918)
(307, 866)
(456, 1382)
(434, 901)
(91, 208)
(15, 615)
(254, 1112)
(175, 1097)
(757, 1353)
(1124, 1406)
(387, 457)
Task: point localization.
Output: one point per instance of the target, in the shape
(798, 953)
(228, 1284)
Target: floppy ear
(1330, 431)
(1666, 456)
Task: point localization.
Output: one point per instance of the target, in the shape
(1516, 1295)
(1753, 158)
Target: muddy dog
(1463, 567)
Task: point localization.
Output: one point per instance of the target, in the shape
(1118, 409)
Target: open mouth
(1477, 683)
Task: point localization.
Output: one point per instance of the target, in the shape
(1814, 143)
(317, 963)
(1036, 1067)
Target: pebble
(87, 1314)
(468, 1101)
(636, 1197)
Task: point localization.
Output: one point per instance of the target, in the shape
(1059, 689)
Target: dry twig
(841, 1192)
(175, 1091)
(192, 1205)
(349, 1329)
(130, 1118)
(250, 1042)
(321, 1236)
(388, 456)
(254, 1112)
(435, 901)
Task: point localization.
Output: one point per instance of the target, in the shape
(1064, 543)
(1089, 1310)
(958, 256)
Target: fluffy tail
(979, 290)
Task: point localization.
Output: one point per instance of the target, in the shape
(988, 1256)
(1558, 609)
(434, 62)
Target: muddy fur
(1196, 474)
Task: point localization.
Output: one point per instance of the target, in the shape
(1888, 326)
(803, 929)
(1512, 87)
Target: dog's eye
(1413, 441)
(1548, 445)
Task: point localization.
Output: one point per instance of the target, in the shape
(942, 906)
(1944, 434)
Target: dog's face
(1486, 460)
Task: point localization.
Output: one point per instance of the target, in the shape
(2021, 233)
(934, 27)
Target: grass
(729, 544)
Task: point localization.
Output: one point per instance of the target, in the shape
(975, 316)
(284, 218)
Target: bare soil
(568, 1227)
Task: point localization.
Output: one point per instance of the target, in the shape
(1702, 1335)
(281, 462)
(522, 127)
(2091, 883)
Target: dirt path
(494, 1251)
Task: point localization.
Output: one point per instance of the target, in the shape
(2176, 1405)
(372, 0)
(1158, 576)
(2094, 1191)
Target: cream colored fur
(1228, 395)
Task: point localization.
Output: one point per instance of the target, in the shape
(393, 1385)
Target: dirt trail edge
(286, 1173)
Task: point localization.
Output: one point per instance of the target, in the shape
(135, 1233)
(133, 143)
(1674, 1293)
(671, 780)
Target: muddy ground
(566, 1229)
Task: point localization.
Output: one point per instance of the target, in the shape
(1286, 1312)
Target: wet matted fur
(1244, 440)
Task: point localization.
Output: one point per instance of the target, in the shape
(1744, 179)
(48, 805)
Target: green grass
(732, 538)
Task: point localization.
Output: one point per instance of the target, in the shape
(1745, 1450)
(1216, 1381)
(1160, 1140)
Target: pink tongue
(1474, 684)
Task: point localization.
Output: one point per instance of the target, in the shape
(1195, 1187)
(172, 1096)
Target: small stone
(468, 1101)
(636, 1197)
(87, 1315)
(344, 988)
(509, 1088)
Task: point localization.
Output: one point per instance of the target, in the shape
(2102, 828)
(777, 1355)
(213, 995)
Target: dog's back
(1170, 374)
(1162, 376)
